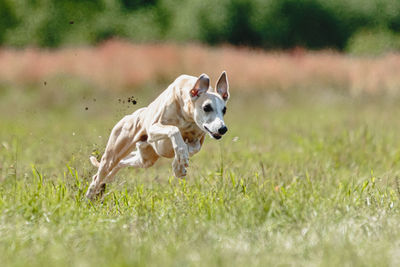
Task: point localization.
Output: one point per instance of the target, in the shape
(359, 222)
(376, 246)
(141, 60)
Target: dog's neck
(186, 106)
(188, 126)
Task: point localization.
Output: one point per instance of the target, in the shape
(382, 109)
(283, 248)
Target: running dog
(173, 125)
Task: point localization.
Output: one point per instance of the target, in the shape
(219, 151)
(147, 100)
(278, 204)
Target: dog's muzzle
(221, 131)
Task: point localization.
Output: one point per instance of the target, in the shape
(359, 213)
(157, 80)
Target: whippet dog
(174, 125)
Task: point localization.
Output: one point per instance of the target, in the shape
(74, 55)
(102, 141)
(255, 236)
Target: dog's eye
(224, 111)
(207, 108)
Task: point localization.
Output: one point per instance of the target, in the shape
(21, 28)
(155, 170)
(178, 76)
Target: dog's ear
(222, 86)
(200, 87)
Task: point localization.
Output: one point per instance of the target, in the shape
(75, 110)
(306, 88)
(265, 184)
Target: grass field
(302, 178)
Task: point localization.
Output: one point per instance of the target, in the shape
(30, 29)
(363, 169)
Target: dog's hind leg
(143, 157)
(122, 141)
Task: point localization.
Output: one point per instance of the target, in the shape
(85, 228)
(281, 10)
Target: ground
(302, 178)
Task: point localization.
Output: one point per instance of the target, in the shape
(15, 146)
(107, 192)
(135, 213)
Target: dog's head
(210, 104)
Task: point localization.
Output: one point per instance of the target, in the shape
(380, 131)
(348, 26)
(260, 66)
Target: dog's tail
(94, 161)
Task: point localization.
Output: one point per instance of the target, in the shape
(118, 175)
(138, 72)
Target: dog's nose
(222, 130)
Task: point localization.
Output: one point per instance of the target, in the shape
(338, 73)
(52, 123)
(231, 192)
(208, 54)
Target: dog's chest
(190, 132)
(173, 115)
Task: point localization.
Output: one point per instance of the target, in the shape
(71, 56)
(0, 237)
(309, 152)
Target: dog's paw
(179, 170)
(95, 192)
(90, 193)
(180, 163)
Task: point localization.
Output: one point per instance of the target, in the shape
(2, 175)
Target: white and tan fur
(173, 125)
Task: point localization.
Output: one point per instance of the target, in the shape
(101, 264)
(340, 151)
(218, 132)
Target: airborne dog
(173, 125)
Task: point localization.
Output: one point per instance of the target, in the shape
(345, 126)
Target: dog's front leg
(158, 132)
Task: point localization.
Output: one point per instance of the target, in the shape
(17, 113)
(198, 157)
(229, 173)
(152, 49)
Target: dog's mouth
(214, 135)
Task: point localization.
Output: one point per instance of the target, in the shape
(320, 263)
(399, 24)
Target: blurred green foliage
(373, 41)
(273, 24)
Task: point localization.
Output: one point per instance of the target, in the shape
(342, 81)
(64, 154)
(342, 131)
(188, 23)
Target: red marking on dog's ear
(194, 92)
(225, 96)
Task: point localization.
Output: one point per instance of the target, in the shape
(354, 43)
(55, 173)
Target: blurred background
(355, 26)
(262, 44)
